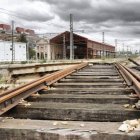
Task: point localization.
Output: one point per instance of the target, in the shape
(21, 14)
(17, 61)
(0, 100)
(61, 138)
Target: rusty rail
(131, 78)
(11, 98)
(133, 61)
(36, 66)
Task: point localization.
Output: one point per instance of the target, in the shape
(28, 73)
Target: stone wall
(5, 74)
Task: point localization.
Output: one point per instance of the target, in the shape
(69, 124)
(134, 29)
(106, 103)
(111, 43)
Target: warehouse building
(6, 51)
(83, 47)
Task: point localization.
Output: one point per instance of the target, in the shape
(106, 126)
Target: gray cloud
(118, 18)
(34, 14)
(96, 10)
(103, 15)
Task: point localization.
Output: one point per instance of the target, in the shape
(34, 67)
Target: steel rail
(129, 77)
(133, 61)
(132, 72)
(12, 97)
(14, 89)
(39, 65)
(21, 86)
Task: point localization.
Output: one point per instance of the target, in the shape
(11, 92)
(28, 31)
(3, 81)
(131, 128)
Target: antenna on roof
(103, 38)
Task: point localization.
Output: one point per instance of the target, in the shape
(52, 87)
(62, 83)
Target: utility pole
(13, 48)
(36, 50)
(116, 46)
(28, 52)
(123, 50)
(103, 37)
(127, 51)
(103, 43)
(64, 47)
(71, 38)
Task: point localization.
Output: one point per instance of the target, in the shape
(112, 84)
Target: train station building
(84, 48)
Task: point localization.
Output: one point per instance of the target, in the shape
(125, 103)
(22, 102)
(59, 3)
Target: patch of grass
(103, 58)
(127, 63)
(31, 62)
(7, 63)
(2, 81)
(133, 57)
(0, 76)
(43, 61)
(23, 62)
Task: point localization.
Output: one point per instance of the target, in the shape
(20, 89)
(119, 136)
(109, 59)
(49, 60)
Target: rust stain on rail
(11, 98)
(39, 65)
(131, 78)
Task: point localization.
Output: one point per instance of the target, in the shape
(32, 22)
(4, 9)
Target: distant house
(6, 51)
(43, 48)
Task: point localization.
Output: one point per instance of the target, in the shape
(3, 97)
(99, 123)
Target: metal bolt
(5, 103)
(12, 100)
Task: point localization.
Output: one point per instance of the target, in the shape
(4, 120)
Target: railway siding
(86, 102)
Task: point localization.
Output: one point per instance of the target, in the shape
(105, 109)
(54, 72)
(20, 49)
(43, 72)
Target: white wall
(48, 51)
(20, 51)
(6, 53)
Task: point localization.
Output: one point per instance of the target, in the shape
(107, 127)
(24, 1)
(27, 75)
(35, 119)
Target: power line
(15, 12)
(103, 38)
(28, 17)
(13, 15)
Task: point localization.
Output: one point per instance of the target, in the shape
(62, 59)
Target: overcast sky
(119, 19)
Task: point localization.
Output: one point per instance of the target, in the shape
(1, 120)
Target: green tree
(22, 38)
(32, 53)
(42, 55)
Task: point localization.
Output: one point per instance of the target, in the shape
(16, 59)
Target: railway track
(136, 68)
(94, 94)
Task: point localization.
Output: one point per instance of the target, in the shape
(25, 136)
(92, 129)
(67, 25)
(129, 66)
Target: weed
(103, 58)
(127, 63)
(31, 62)
(0, 76)
(23, 62)
(2, 81)
(43, 61)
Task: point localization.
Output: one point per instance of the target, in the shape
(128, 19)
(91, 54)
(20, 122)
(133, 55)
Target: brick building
(84, 47)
